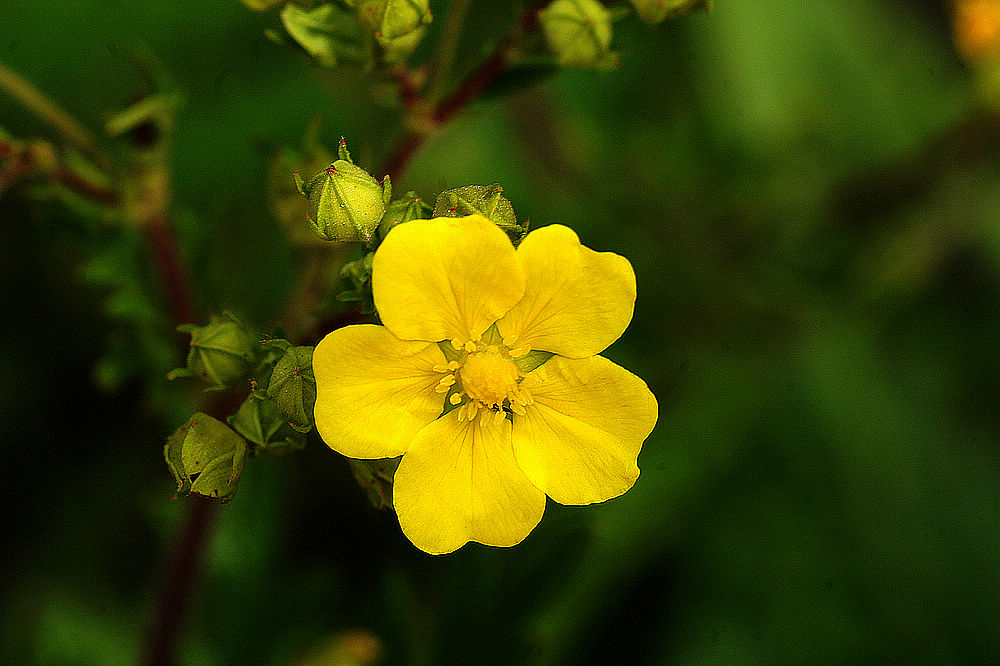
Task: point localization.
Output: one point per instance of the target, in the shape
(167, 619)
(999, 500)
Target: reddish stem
(467, 91)
(160, 645)
(173, 278)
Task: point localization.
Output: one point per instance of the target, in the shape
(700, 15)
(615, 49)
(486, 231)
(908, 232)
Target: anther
(470, 346)
(456, 343)
(455, 398)
(441, 368)
(519, 352)
(498, 417)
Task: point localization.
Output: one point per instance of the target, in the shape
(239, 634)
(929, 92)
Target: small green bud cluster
(579, 34)
(205, 455)
(345, 203)
(358, 32)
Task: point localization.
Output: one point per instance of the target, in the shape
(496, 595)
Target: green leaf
(293, 386)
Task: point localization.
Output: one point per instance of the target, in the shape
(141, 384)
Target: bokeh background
(810, 195)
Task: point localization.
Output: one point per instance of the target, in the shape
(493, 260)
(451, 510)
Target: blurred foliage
(810, 195)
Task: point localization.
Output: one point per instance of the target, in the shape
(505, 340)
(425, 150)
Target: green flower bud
(399, 25)
(292, 386)
(260, 421)
(484, 200)
(206, 457)
(345, 203)
(579, 33)
(358, 275)
(654, 11)
(410, 207)
(221, 353)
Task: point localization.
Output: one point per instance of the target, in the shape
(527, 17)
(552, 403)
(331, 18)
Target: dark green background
(810, 197)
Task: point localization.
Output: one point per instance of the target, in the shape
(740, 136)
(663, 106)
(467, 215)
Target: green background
(810, 197)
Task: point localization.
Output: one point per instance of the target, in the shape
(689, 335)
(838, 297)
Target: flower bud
(484, 200)
(410, 207)
(206, 457)
(292, 385)
(579, 33)
(260, 421)
(654, 11)
(220, 353)
(399, 25)
(345, 203)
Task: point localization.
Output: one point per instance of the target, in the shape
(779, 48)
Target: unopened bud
(345, 203)
(399, 25)
(410, 207)
(485, 200)
(579, 33)
(221, 353)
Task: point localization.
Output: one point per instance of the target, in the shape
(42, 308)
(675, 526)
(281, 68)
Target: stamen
(471, 408)
(517, 408)
(470, 346)
(447, 380)
(454, 365)
(484, 420)
(455, 398)
(519, 352)
(456, 343)
(441, 368)
(498, 417)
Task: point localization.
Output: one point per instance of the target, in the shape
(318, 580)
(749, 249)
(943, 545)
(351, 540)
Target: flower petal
(579, 439)
(576, 301)
(374, 391)
(445, 278)
(459, 482)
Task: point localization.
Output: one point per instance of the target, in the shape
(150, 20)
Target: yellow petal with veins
(576, 301)
(579, 440)
(445, 278)
(459, 482)
(374, 391)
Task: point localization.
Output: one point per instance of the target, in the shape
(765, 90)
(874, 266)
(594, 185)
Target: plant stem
(160, 644)
(22, 90)
(24, 163)
(443, 110)
(446, 49)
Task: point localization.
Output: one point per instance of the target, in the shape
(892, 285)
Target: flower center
(489, 377)
(485, 381)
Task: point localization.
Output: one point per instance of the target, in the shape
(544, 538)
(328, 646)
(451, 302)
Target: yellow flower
(452, 381)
